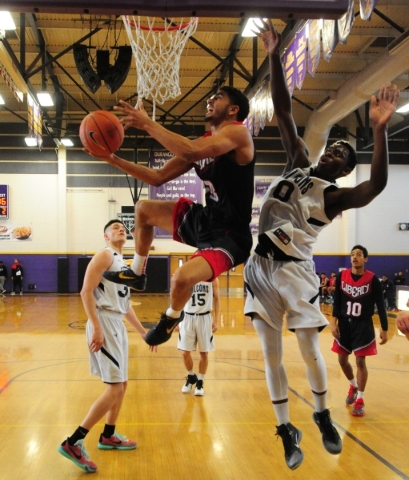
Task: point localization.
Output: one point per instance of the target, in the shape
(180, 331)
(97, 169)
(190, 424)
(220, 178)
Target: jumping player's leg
(195, 270)
(150, 214)
(316, 370)
(317, 376)
(271, 342)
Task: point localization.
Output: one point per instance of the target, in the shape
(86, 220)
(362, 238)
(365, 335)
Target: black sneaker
(190, 381)
(199, 390)
(162, 331)
(291, 438)
(127, 277)
(330, 437)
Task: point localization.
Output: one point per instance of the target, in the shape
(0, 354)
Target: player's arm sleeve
(336, 307)
(380, 302)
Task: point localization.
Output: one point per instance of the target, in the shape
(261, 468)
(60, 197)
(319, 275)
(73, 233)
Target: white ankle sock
(139, 264)
(173, 313)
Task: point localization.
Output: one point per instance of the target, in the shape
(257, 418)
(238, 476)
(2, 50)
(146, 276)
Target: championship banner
(366, 8)
(188, 186)
(345, 23)
(300, 56)
(289, 65)
(314, 27)
(329, 38)
(35, 120)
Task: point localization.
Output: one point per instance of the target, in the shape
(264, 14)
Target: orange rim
(159, 29)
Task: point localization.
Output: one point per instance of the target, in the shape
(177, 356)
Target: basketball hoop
(157, 50)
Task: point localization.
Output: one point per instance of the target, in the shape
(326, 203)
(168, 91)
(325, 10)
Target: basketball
(101, 133)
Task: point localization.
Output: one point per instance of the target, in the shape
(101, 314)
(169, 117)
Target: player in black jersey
(224, 159)
(357, 290)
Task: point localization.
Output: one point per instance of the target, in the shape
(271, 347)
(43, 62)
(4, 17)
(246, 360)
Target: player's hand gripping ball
(101, 133)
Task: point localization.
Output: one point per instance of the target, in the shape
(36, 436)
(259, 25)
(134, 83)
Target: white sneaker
(199, 390)
(12, 293)
(21, 293)
(190, 381)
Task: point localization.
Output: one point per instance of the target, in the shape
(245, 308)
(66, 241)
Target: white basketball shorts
(196, 330)
(111, 362)
(283, 287)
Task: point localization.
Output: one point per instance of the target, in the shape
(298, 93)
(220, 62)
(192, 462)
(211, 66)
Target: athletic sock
(139, 264)
(354, 383)
(190, 372)
(79, 434)
(173, 313)
(282, 412)
(360, 394)
(201, 376)
(109, 430)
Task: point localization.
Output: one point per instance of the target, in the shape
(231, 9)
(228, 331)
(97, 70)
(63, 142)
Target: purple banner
(261, 186)
(188, 185)
(313, 46)
(366, 8)
(300, 56)
(289, 65)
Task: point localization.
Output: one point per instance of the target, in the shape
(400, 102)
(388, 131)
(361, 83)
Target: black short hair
(352, 159)
(238, 98)
(115, 220)
(360, 247)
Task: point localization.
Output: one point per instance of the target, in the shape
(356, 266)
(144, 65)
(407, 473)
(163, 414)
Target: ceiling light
(6, 21)
(403, 109)
(252, 24)
(67, 142)
(45, 99)
(2, 102)
(31, 141)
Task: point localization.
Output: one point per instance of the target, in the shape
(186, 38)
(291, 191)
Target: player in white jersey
(281, 276)
(197, 329)
(106, 304)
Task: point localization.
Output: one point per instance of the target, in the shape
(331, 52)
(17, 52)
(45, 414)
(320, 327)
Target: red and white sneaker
(359, 407)
(117, 441)
(351, 397)
(78, 454)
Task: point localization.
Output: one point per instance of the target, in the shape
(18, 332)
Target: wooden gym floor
(229, 434)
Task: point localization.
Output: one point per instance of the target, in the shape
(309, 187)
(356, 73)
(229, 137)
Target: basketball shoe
(359, 407)
(162, 331)
(127, 277)
(199, 390)
(117, 441)
(190, 381)
(330, 437)
(291, 438)
(78, 454)
(351, 397)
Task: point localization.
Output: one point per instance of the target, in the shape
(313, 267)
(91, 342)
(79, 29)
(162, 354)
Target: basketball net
(157, 50)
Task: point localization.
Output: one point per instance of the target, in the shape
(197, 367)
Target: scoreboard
(4, 201)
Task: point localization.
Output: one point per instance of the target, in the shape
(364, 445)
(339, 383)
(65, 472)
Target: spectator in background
(388, 290)
(17, 277)
(3, 276)
(324, 281)
(399, 279)
(328, 291)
